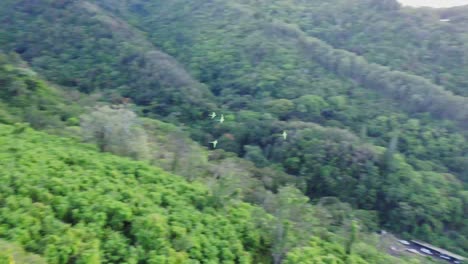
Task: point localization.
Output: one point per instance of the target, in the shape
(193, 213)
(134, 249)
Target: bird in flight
(215, 142)
(213, 115)
(285, 135)
(221, 120)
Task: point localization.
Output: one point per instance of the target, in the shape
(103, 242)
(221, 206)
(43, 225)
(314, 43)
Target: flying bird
(221, 120)
(285, 135)
(213, 115)
(215, 142)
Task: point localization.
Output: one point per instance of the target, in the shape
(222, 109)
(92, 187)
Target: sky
(434, 3)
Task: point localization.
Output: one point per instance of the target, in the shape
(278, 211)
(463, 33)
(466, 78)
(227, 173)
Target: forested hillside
(245, 57)
(26, 97)
(92, 51)
(434, 49)
(363, 103)
(50, 187)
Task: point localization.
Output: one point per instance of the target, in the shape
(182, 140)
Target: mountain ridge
(359, 131)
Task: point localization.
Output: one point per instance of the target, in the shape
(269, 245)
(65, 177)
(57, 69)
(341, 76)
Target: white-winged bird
(215, 142)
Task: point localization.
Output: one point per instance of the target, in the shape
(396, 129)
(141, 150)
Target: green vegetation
(93, 51)
(426, 46)
(338, 99)
(11, 253)
(26, 97)
(70, 203)
(116, 131)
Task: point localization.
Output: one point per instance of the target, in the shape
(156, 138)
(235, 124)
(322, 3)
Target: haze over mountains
(333, 120)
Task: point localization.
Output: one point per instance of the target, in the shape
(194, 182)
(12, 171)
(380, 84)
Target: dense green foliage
(105, 54)
(325, 164)
(373, 29)
(25, 97)
(70, 203)
(257, 66)
(12, 254)
(375, 117)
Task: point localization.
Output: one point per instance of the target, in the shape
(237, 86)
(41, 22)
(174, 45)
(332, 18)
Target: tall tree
(293, 223)
(115, 129)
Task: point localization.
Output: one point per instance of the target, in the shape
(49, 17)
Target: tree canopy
(359, 105)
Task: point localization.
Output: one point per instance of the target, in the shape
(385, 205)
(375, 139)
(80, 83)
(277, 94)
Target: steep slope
(50, 191)
(246, 58)
(245, 65)
(234, 49)
(27, 97)
(416, 94)
(268, 74)
(69, 203)
(91, 50)
(405, 39)
(273, 77)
